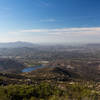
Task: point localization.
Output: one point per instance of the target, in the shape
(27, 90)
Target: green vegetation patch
(46, 91)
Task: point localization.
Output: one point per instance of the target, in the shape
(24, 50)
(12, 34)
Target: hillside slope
(8, 65)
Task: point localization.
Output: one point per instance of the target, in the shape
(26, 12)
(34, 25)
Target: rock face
(8, 65)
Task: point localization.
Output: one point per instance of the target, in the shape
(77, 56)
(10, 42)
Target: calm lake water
(29, 69)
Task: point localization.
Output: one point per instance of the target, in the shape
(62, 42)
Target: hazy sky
(50, 21)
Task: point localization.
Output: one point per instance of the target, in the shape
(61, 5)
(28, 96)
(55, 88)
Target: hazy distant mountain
(16, 44)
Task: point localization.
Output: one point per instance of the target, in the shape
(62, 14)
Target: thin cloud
(44, 3)
(62, 32)
(48, 20)
(83, 30)
(60, 35)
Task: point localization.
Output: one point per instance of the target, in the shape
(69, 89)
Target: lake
(29, 69)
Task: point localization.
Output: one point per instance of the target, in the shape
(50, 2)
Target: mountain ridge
(16, 44)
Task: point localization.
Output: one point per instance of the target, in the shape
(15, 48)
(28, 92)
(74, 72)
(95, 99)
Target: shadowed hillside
(53, 74)
(8, 65)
